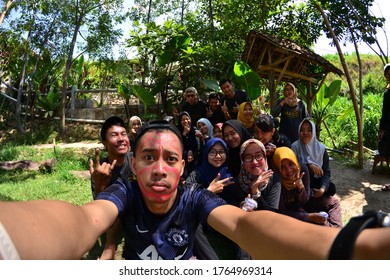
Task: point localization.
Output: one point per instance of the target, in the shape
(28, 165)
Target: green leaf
(248, 79)
(211, 84)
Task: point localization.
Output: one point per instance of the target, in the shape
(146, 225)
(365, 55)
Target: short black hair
(156, 125)
(213, 96)
(266, 123)
(224, 80)
(111, 121)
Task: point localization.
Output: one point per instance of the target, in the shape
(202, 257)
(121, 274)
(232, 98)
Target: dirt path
(359, 190)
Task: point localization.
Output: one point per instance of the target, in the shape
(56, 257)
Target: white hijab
(311, 153)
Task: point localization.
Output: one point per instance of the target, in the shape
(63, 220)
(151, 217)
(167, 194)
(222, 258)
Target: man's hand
(101, 173)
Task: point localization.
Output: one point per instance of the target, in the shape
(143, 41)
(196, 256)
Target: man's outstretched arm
(268, 235)
(48, 229)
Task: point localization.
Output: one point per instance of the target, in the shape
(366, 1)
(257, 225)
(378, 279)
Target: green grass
(60, 183)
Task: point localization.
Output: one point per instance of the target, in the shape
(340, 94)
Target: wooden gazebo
(278, 59)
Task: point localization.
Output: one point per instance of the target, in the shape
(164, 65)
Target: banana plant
(49, 103)
(325, 98)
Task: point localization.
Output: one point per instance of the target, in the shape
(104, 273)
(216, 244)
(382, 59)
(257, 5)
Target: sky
(323, 45)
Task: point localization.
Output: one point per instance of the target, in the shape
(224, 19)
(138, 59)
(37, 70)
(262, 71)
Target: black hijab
(234, 162)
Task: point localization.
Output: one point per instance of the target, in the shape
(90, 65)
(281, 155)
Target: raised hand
(235, 108)
(216, 186)
(261, 181)
(298, 181)
(209, 112)
(100, 173)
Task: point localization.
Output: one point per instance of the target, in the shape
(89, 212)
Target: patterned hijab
(245, 178)
(281, 154)
(313, 152)
(241, 115)
(208, 171)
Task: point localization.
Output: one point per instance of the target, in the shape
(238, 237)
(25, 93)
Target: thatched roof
(285, 59)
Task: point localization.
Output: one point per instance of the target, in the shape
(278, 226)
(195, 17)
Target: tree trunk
(4, 12)
(351, 88)
(66, 74)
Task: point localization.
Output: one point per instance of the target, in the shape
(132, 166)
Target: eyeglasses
(190, 95)
(214, 153)
(249, 158)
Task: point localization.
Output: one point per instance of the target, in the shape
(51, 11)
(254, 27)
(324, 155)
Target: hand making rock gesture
(101, 173)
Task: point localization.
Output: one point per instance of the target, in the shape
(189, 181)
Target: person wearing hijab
(135, 123)
(291, 110)
(246, 116)
(255, 180)
(206, 133)
(190, 143)
(296, 196)
(234, 133)
(213, 175)
(217, 130)
(313, 153)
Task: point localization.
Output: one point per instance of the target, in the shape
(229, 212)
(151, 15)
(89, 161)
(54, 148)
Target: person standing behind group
(195, 107)
(214, 109)
(234, 133)
(384, 123)
(135, 123)
(291, 110)
(246, 116)
(231, 99)
(104, 172)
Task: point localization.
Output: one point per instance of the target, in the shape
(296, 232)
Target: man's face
(228, 89)
(117, 141)
(213, 103)
(192, 98)
(158, 166)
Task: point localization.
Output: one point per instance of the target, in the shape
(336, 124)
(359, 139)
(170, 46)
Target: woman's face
(217, 132)
(185, 121)
(254, 160)
(248, 111)
(288, 170)
(203, 128)
(231, 137)
(135, 125)
(305, 133)
(217, 155)
(288, 91)
(264, 137)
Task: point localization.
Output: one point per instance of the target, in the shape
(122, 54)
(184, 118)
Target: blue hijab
(208, 171)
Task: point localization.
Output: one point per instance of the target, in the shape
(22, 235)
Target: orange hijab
(241, 115)
(280, 154)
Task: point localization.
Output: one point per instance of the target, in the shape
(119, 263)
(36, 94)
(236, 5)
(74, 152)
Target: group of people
(172, 189)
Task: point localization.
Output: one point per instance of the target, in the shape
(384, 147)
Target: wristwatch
(343, 246)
